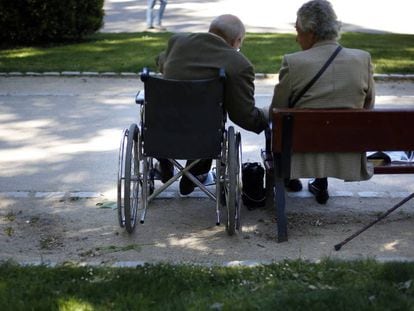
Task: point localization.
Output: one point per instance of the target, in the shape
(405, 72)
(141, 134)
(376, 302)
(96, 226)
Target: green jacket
(199, 56)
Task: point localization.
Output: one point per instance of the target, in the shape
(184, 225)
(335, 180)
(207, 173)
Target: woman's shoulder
(357, 52)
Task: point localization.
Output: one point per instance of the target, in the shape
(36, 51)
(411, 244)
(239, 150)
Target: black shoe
(321, 195)
(293, 185)
(187, 186)
(165, 169)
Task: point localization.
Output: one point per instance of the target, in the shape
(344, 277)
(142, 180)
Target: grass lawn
(130, 52)
(289, 285)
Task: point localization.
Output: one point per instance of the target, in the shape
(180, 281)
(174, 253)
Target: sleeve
(162, 57)
(283, 90)
(370, 97)
(240, 103)
(160, 60)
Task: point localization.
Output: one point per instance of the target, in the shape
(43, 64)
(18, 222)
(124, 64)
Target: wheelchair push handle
(140, 97)
(145, 74)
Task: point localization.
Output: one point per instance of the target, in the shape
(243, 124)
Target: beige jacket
(346, 83)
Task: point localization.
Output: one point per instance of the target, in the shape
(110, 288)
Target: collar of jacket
(325, 42)
(217, 36)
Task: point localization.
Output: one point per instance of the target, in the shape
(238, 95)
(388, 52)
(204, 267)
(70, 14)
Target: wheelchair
(179, 120)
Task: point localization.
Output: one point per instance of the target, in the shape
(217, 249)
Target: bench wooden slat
(321, 130)
(352, 130)
(395, 168)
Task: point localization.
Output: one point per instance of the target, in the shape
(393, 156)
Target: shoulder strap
(316, 77)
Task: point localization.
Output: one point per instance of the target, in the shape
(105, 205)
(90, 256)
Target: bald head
(230, 28)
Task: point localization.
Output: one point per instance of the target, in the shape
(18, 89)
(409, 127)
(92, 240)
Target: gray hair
(318, 16)
(227, 26)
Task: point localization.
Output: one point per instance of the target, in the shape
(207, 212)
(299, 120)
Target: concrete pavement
(61, 135)
(260, 15)
(59, 139)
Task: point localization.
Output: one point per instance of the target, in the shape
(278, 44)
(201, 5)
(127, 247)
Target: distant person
(346, 83)
(151, 12)
(200, 56)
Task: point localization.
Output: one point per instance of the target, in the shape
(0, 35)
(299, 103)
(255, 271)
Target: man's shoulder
(192, 36)
(178, 36)
(197, 40)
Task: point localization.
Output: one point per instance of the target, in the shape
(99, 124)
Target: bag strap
(316, 77)
(254, 200)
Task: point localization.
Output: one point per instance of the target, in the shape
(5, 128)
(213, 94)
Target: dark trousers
(202, 167)
(321, 183)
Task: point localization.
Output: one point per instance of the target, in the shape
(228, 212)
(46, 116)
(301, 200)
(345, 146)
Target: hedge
(48, 21)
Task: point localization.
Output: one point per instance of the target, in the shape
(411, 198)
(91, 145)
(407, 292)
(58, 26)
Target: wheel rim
(132, 178)
(238, 191)
(121, 178)
(230, 182)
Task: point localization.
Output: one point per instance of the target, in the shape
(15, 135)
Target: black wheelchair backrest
(183, 119)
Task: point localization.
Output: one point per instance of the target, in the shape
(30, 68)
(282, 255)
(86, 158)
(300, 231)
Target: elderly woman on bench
(341, 78)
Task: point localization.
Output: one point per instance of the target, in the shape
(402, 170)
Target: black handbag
(253, 191)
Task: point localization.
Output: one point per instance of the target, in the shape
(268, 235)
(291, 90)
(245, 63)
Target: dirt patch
(184, 230)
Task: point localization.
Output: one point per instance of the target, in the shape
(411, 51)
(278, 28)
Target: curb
(78, 195)
(135, 264)
(259, 76)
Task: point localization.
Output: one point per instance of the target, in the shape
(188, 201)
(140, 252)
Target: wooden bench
(322, 130)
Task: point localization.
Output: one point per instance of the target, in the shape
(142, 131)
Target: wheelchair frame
(136, 175)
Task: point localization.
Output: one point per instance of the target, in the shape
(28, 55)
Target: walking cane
(339, 245)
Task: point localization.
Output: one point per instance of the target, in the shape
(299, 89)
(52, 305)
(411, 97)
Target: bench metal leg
(280, 203)
(269, 185)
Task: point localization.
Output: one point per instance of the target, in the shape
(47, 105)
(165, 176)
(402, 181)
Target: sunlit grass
(129, 52)
(72, 304)
(23, 53)
(398, 65)
(287, 285)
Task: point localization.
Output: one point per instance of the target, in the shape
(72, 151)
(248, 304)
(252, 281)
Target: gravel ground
(34, 230)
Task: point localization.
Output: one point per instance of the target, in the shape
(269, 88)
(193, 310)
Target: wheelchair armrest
(140, 97)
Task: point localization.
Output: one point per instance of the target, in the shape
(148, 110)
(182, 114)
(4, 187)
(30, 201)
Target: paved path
(260, 15)
(61, 135)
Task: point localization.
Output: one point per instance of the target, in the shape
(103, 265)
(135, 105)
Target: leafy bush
(44, 21)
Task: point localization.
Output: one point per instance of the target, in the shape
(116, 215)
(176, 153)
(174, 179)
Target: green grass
(129, 52)
(289, 285)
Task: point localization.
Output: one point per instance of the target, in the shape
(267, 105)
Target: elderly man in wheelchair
(183, 116)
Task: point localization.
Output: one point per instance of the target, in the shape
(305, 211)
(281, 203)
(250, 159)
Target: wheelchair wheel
(129, 178)
(239, 191)
(232, 186)
(121, 178)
